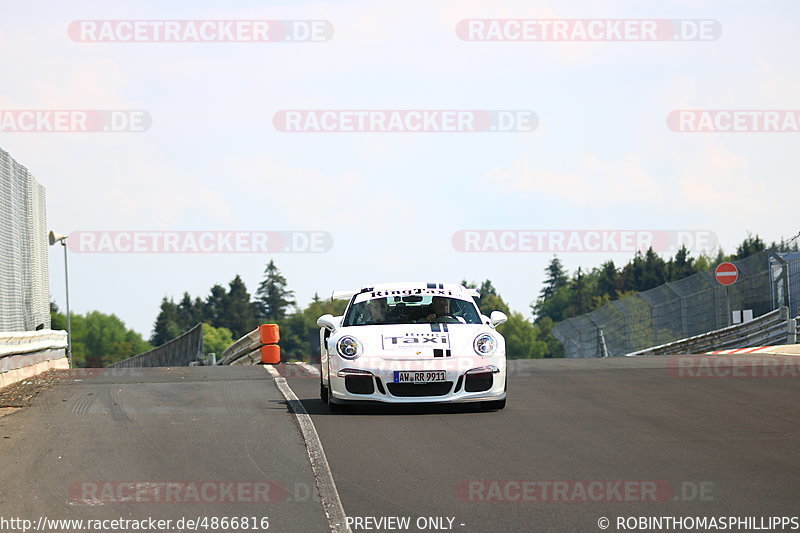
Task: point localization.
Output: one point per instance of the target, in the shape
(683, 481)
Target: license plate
(422, 376)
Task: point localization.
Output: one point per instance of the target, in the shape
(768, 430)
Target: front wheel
(333, 407)
(323, 392)
(327, 396)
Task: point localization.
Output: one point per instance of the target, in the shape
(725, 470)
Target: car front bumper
(372, 379)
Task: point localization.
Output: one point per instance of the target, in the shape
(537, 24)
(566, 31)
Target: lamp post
(54, 238)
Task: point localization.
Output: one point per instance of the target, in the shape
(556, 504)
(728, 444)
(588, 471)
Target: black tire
(333, 407)
(323, 392)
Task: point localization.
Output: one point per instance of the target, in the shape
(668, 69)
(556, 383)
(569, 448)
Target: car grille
(420, 389)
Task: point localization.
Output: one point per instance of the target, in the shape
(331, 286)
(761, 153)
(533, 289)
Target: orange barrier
(269, 334)
(271, 354)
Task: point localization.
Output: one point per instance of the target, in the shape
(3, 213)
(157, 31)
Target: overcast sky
(601, 157)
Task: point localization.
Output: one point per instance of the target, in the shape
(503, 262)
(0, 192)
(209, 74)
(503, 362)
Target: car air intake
(406, 390)
(359, 384)
(478, 382)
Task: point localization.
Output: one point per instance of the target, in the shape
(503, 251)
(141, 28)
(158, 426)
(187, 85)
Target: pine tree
(750, 246)
(582, 294)
(167, 326)
(272, 297)
(238, 312)
(214, 306)
(682, 265)
(487, 288)
(633, 273)
(556, 277)
(655, 271)
(555, 295)
(186, 313)
(609, 281)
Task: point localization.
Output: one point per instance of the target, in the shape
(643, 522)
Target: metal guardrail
(252, 358)
(180, 351)
(773, 328)
(251, 348)
(242, 347)
(22, 342)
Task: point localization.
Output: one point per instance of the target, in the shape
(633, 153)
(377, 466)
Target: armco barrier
(180, 351)
(24, 354)
(771, 328)
(258, 345)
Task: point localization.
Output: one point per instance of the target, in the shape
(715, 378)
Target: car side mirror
(326, 321)
(497, 318)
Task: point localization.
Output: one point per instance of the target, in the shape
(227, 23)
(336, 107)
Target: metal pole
(728, 300)
(603, 347)
(69, 324)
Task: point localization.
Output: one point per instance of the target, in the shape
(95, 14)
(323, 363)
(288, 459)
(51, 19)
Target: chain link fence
(677, 310)
(785, 280)
(24, 281)
(180, 351)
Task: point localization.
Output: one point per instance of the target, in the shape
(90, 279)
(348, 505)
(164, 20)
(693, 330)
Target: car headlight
(348, 347)
(485, 344)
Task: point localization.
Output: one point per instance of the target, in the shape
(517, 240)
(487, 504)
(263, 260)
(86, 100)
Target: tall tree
(750, 246)
(582, 294)
(214, 308)
(682, 265)
(555, 278)
(487, 288)
(186, 313)
(167, 326)
(608, 280)
(655, 271)
(238, 312)
(272, 296)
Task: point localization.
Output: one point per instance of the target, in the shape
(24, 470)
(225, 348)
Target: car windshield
(416, 309)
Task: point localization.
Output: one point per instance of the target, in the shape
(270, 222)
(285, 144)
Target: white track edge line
(329, 496)
(309, 368)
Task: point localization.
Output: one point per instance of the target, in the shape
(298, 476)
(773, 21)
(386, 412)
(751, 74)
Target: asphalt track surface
(711, 446)
(72, 453)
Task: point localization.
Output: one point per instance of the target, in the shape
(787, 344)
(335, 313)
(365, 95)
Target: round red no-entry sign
(726, 274)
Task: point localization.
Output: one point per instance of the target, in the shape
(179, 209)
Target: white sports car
(412, 343)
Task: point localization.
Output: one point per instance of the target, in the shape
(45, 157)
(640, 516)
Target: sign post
(727, 274)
